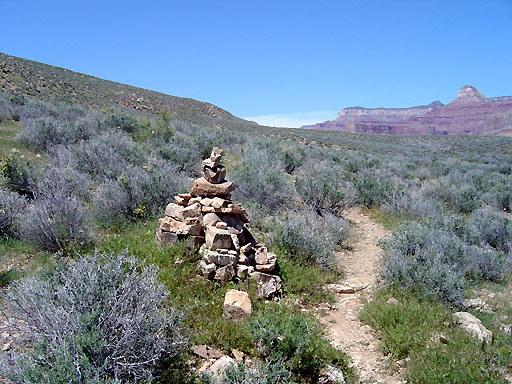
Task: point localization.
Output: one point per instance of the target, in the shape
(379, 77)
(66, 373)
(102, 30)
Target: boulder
(220, 259)
(473, 325)
(218, 368)
(217, 238)
(166, 238)
(237, 305)
(203, 187)
(225, 274)
(267, 285)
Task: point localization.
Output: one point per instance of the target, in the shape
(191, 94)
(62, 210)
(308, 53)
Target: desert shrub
(308, 237)
(56, 222)
(260, 178)
(11, 206)
(17, 175)
(106, 155)
(57, 179)
(371, 190)
(437, 263)
(8, 276)
(126, 123)
(491, 228)
(320, 187)
(139, 192)
(272, 372)
(103, 319)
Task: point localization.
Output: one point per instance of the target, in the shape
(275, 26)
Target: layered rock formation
(470, 113)
(209, 219)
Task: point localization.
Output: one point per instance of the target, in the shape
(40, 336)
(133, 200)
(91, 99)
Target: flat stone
(220, 259)
(223, 210)
(203, 187)
(166, 238)
(267, 285)
(472, 325)
(191, 211)
(206, 352)
(185, 196)
(168, 224)
(237, 305)
(218, 368)
(218, 202)
(173, 210)
(206, 201)
(211, 219)
(221, 225)
(218, 238)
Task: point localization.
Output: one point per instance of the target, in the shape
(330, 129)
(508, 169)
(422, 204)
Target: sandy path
(353, 337)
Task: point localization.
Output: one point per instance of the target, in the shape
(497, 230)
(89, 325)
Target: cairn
(209, 219)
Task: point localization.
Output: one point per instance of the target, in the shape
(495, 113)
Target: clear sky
(282, 63)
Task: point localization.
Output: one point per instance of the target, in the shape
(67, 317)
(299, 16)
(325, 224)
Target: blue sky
(284, 63)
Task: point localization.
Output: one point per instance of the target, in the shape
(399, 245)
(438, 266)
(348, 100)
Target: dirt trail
(353, 337)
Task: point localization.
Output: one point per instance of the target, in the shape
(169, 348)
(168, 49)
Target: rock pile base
(209, 219)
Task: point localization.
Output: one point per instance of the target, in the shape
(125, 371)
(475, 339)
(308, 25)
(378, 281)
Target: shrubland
(104, 175)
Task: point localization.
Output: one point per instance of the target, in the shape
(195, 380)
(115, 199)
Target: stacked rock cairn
(209, 219)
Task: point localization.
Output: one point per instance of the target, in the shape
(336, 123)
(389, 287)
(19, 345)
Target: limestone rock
(246, 248)
(238, 355)
(473, 325)
(331, 375)
(181, 201)
(218, 368)
(173, 210)
(220, 259)
(224, 274)
(217, 238)
(191, 211)
(211, 219)
(267, 285)
(203, 187)
(237, 305)
(168, 224)
(206, 352)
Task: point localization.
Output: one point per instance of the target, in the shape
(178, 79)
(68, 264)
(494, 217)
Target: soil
(348, 333)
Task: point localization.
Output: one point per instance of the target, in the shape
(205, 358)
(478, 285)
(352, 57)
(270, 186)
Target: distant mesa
(470, 113)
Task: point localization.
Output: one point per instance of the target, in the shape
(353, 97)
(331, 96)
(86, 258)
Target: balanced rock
(203, 187)
(237, 304)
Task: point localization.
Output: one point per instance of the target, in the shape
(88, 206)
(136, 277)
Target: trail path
(353, 337)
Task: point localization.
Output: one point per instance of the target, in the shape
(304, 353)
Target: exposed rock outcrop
(470, 113)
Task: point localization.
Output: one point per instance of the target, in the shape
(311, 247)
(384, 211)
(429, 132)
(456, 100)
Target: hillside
(45, 82)
(470, 113)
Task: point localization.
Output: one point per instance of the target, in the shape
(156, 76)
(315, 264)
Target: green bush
(103, 319)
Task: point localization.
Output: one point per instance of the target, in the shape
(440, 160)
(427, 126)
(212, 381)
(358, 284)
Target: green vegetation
(112, 157)
(422, 331)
